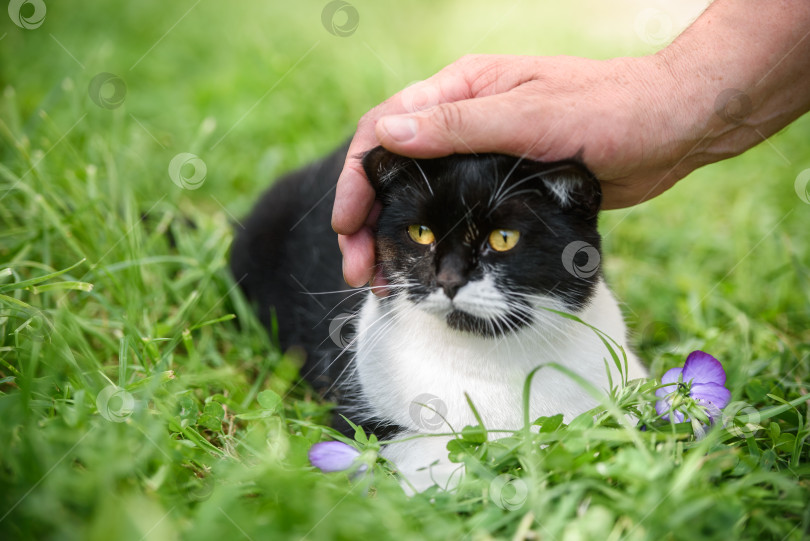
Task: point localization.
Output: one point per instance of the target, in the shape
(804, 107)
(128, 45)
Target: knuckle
(463, 64)
(468, 59)
(449, 117)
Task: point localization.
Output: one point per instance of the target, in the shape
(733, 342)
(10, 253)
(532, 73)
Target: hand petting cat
(639, 124)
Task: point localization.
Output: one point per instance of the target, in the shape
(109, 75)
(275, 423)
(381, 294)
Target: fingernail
(399, 128)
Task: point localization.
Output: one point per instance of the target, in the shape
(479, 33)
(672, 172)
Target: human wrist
(713, 101)
(670, 114)
(740, 78)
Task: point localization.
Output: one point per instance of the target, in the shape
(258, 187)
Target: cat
(480, 253)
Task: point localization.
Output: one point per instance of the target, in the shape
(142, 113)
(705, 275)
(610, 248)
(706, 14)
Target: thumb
(508, 123)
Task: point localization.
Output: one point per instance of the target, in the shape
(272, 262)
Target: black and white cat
(476, 250)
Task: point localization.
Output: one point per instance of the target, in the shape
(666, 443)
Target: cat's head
(482, 241)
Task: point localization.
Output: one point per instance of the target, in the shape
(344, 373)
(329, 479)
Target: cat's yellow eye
(421, 234)
(502, 240)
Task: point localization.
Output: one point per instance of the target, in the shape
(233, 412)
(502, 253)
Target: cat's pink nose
(450, 281)
(452, 273)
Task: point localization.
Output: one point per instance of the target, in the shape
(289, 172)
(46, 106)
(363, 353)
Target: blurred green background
(254, 89)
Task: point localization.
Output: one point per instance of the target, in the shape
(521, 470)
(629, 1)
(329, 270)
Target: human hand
(616, 113)
(640, 124)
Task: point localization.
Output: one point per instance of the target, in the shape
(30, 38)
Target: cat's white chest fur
(414, 370)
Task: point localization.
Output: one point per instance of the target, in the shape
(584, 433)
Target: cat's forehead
(470, 173)
(472, 188)
(450, 180)
(479, 186)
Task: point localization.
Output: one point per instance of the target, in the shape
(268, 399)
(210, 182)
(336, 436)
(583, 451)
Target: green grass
(205, 450)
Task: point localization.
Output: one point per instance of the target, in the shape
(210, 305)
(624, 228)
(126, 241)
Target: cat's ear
(573, 187)
(382, 167)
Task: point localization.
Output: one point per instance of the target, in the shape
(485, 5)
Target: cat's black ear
(382, 167)
(574, 187)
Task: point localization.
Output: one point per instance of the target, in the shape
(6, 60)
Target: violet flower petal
(662, 407)
(713, 393)
(705, 378)
(700, 367)
(671, 376)
(332, 456)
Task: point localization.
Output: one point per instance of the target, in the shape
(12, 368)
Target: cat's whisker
(506, 178)
(400, 314)
(510, 195)
(348, 347)
(378, 333)
(424, 176)
(349, 297)
(352, 290)
(502, 193)
(547, 173)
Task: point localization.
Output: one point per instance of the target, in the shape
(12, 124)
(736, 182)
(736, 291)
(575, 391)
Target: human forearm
(744, 77)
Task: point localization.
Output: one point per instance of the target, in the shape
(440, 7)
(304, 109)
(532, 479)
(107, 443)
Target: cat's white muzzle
(480, 298)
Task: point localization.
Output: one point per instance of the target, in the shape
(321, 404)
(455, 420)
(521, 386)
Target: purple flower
(332, 456)
(702, 379)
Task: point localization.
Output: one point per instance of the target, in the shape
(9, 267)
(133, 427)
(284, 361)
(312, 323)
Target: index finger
(354, 196)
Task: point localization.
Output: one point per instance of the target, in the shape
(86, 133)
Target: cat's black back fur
(285, 257)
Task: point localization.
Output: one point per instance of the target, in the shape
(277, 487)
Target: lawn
(141, 399)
